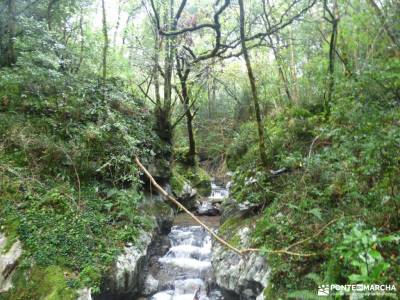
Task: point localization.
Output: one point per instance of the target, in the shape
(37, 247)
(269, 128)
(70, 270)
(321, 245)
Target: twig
(222, 241)
(315, 235)
(78, 181)
(164, 193)
(286, 249)
(311, 147)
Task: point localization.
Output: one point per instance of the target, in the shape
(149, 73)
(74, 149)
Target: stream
(185, 271)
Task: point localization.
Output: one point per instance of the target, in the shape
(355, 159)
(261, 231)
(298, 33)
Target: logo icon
(323, 290)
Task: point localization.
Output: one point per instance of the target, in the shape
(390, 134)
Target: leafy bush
(345, 169)
(360, 249)
(69, 187)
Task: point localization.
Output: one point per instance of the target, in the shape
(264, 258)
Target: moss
(270, 293)
(202, 182)
(197, 177)
(229, 225)
(177, 181)
(10, 230)
(156, 208)
(230, 228)
(91, 276)
(235, 241)
(40, 283)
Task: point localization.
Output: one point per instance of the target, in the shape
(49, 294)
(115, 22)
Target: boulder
(244, 276)
(159, 169)
(207, 208)
(150, 286)
(241, 277)
(127, 278)
(231, 208)
(9, 259)
(160, 209)
(187, 196)
(85, 294)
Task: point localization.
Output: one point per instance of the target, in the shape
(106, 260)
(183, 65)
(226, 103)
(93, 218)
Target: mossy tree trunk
(183, 70)
(253, 87)
(334, 21)
(7, 53)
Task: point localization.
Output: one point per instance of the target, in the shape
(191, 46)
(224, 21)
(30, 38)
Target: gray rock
(8, 262)
(158, 207)
(127, 278)
(187, 196)
(159, 169)
(246, 276)
(231, 208)
(150, 286)
(85, 294)
(207, 208)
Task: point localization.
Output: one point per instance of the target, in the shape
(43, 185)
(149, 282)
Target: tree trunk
(169, 59)
(332, 54)
(295, 88)
(156, 77)
(211, 97)
(163, 111)
(191, 157)
(117, 25)
(260, 127)
(105, 44)
(9, 58)
(331, 68)
(49, 14)
(281, 72)
(82, 41)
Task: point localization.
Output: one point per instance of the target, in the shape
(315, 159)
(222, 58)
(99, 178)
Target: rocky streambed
(186, 264)
(178, 260)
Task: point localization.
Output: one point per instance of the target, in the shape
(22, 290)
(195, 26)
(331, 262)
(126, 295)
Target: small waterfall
(218, 192)
(185, 271)
(187, 266)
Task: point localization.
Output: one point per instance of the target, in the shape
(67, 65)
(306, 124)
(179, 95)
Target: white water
(187, 264)
(217, 192)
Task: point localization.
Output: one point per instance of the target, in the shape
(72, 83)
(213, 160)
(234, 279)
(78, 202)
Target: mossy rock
(229, 230)
(40, 283)
(177, 181)
(202, 182)
(181, 155)
(198, 178)
(163, 213)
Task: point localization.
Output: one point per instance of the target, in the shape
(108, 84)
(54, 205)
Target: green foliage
(69, 188)
(360, 250)
(91, 276)
(177, 181)
(350, 172)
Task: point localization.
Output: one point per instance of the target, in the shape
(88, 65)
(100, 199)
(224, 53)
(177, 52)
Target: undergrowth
(345, 172)
(69, 188)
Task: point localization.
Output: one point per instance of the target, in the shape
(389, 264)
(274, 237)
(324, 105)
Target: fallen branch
(315, 235)
(176, 202)
(221, 240)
